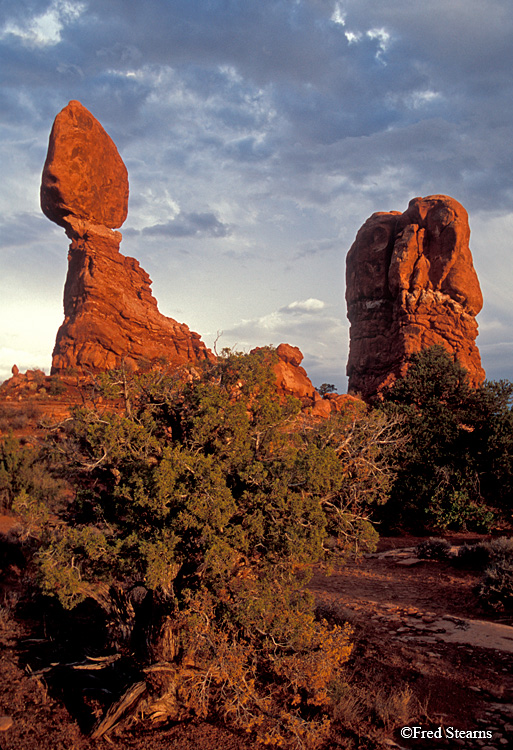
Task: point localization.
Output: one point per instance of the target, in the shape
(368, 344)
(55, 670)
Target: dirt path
(420, 624)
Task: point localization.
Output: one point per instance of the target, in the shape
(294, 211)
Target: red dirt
(395, 611)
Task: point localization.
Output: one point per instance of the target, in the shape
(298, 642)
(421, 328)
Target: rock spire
(410, 284)
(110, 314)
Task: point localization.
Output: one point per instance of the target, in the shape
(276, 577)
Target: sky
(259, 135)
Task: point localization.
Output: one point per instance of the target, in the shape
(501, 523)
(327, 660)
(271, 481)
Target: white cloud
(45, 29)
(307, 305)
(383, 38)
(416, 99)
(338, 16)
(152, 206)
(382, 35)
(353, 36)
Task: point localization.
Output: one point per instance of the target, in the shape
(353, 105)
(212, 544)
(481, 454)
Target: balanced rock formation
(110, 314)
(411, 284)
(84, 177)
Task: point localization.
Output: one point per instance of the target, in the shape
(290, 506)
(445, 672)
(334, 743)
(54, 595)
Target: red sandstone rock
(291, 378)
(111, 316)
(84, 176)
(410, 284)
(345, 402)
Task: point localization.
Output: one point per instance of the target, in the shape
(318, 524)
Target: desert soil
(416, 625)
(420, 624)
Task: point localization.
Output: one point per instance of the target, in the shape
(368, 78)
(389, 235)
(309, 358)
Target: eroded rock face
(410, 284)
(292, 380)
(84, 176)
(111, 316)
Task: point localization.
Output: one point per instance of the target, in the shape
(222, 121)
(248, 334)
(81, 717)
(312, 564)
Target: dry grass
(396, 708)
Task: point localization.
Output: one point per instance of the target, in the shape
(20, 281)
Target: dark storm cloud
(190, 225)
(383, 68)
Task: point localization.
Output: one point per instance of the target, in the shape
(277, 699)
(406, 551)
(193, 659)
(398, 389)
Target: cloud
(21, 230)
(275, 128)
(382, 37)
(191, 224)
(309, 324)
(44, 29)
(338, 15)
(310, 305)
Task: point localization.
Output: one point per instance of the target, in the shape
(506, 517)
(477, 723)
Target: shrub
(394, 708)
(454, 509)
(55, 386)
(216, 499)
(457, 464)
(326, 388)
(26, 469)
(501, 548)
(433, 549)
(16, 417)
(496, 587)
(473, 556)
(375, 708)
(479, 555)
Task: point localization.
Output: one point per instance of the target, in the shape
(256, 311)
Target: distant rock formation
(110, 314)
(111, 317)
(410, 284)
(292, 380)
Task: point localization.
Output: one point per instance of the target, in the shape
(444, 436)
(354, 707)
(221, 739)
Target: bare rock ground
(419, 623)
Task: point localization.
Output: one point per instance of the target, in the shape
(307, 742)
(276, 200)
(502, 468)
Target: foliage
(56, 387)
(456, 469)
(24, 470)
(473, 556)
(327, 388)
(375, 707)
(491, 415)
(500, 548)
(496, 587)
(215, 499)
(433, 549)
(479, 555)
(33, 511)
(17, 416)
(457, 509)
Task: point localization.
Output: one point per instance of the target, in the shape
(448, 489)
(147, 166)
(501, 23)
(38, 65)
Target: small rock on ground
(5, 723)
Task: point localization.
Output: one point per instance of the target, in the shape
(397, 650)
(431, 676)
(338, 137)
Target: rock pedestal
(411, 284)
(110, 314)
